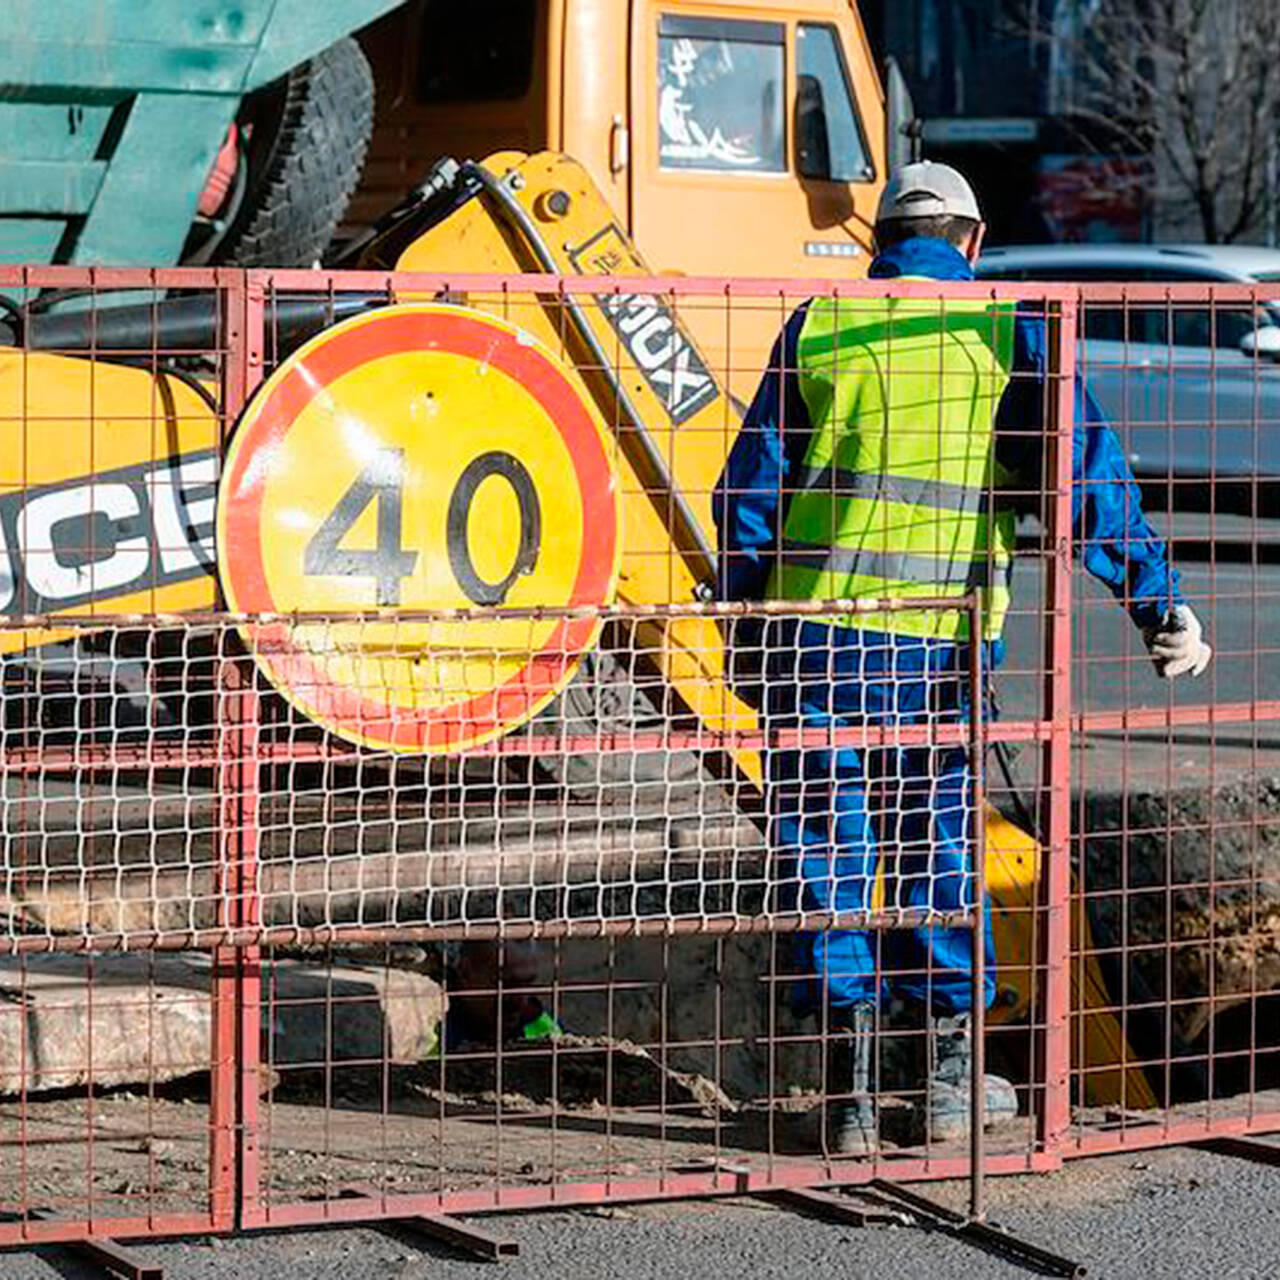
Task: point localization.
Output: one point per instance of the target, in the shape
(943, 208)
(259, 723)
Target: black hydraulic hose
(659, 483)
(442, 191)
(177, 326)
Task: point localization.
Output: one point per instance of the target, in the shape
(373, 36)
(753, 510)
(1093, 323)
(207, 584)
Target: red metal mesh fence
(568, 960)
(1173, 791)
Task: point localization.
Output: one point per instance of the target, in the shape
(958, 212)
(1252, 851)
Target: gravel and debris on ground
(1178, 1212)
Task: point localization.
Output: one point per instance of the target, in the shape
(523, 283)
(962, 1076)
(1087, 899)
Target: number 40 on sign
(419, 458)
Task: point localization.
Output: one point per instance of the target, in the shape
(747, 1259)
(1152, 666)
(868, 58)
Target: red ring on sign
(338, 352)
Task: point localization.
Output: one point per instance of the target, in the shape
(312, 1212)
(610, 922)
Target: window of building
(476, 50)
(721, 90)
(830, 143)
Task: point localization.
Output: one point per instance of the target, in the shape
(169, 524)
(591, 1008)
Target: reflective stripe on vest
(943, 572)
(893, 497)
(905, 489)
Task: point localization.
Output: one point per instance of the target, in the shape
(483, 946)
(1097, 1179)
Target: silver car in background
(1192, 388)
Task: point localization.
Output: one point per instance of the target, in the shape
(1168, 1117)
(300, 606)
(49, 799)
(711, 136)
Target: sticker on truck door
(648, 330)
(721, 94)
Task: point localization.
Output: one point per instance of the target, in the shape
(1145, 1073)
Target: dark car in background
(1191, 383)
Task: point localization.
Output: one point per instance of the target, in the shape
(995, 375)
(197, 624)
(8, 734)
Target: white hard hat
(927, 189)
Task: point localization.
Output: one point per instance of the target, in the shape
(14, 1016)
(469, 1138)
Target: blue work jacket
(1112, 536)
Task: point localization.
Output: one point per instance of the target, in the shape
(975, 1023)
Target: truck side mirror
(813, 146)
(904, 131)
(1263, 343)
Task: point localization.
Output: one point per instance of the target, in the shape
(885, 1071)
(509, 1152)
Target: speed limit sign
(419, 457)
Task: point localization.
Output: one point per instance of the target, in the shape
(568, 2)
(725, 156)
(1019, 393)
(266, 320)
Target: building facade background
(1022, 95)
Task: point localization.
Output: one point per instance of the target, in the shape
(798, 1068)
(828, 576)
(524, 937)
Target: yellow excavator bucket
(1098, 1047)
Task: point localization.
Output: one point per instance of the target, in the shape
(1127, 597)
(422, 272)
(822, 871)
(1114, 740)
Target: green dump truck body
(112, 113)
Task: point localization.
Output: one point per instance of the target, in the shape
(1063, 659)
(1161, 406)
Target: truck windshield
(720, 94)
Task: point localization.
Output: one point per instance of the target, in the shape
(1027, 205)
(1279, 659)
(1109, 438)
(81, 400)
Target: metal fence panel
(609, 863)
(1173, 790)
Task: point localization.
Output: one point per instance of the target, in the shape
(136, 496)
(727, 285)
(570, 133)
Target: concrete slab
(67, 1021)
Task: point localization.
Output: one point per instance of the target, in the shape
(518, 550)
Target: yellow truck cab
(743, 138)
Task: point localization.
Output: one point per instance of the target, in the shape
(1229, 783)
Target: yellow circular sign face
(420, 457)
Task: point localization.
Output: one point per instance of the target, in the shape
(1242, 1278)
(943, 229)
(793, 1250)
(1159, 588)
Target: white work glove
(1177, 644)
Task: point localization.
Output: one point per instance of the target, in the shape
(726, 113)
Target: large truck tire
(310, 132)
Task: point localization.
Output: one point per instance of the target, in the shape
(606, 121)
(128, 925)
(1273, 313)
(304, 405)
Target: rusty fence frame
(1053, 729)
(237, 941)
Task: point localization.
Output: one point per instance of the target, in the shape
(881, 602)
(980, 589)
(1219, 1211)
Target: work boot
(851, 1109)
(950, 1079)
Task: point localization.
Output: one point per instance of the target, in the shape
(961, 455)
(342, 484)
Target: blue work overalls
(829, 809)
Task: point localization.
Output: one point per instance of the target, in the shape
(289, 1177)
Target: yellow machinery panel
(108, 478)
(690, 424)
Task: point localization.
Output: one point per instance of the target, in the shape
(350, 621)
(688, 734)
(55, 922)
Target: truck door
(757, 146)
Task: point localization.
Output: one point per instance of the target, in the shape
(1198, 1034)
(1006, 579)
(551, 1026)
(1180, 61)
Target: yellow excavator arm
(672, 422)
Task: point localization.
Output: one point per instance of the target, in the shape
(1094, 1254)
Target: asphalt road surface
(1230, 574)
(1178, 1213)
(1239, 604)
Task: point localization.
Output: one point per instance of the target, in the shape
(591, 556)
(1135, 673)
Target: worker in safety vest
(880, 458)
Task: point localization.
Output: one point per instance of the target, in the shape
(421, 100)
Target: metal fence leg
(463, 1236)
(857, 1207)
(978, 999)
(116, 1260)
(466, 1237)
(985, 1235)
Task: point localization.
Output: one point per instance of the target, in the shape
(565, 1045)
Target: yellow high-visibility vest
(894, 497)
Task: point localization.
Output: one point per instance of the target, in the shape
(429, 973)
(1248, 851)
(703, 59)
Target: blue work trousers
(839, 816)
